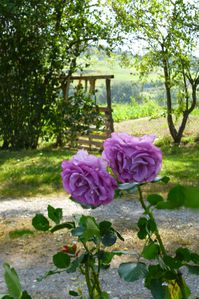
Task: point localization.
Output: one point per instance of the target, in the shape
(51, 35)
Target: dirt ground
(32, 255)
(157, 126)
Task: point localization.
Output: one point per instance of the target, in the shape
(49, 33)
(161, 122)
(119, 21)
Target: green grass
(19, 233)
(32, 173)
(131, 111)
(181, 164)
(195, 111)
(134, 110)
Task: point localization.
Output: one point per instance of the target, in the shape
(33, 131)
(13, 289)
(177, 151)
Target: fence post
(108, 91)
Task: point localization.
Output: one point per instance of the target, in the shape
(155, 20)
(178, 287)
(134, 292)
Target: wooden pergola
(96, 137)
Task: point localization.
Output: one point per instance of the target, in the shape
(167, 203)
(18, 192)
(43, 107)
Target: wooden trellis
(95, 138)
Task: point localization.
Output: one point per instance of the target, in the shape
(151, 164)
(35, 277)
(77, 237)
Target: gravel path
(176, 227)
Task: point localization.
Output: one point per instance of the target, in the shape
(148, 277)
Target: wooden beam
(88, 77)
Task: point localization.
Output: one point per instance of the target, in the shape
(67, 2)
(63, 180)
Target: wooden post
(66, 85)
(92, 86)
(108, 92)
(86, 85)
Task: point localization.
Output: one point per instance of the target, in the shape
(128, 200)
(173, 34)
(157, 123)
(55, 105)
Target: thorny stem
(163, 250)
(96, 280)
(179, 279)
(89, 267)
(87, 276)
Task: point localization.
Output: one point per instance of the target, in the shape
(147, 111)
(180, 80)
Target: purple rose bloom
(132, 159)
(86, 179)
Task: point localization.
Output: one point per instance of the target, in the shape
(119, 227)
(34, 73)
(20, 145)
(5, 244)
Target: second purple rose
(132, 159)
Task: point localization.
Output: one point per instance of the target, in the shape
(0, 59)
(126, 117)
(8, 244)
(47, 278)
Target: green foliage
(55, 214)
(131, 272)
(40, 222)
(169, 29)
(23, 67)
(37, 172)
(39, 41)
(151, 251)
(136, 110)
(12, 281)
(179, 196)
(153, 199)
(19, 233)
(61, 260)
(13, 285)
(68, 119)
(94, 238)
(164, 279)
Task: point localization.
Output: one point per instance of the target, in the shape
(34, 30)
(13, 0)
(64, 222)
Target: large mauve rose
(86, 179)
(132, 159)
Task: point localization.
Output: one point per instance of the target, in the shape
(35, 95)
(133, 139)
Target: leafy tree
(39, 41)
(168, 30)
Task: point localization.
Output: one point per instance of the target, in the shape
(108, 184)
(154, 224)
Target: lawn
(31, 173)
(34, 173)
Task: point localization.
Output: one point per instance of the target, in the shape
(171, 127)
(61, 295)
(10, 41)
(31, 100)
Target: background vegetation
(37, 172)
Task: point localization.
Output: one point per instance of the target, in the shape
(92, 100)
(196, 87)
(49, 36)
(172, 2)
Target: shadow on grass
(29, 173)
(37, 172)
(181, 164)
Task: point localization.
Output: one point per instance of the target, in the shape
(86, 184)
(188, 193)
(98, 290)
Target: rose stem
(179, 280)
(153, 219)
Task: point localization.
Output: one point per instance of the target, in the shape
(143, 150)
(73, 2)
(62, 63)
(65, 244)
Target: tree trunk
(167, 83)
(177, 134)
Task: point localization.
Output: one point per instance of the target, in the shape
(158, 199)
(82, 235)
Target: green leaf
(193, 269)
(194, 257)
(142, 224)
(183, 254)
(25, 295)
(158, 290)
(153, 199)
(12, 281)
(40, 222)
(5, 296)
(57, 227)
(87, 230)
(104, 226)
(73, 293)
(151, 251)
(151, 226)
(155, 271)
(131, 272)
(61, 260)
(55, 214)
(172, 262)
(186, 255)
(176, 196)
(106, 257)
(175, 199)
(109, 238)
(181, 196)
(191, 197)
(74, 265)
